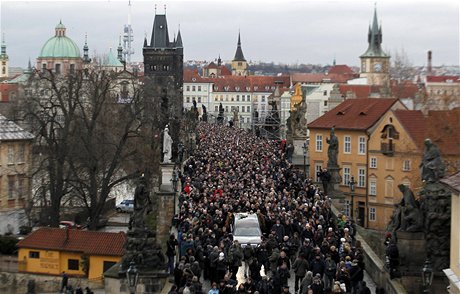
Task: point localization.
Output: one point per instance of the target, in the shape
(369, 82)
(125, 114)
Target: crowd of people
(233, 171)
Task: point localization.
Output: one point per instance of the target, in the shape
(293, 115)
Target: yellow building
(78, 253)
(381, 147)
(355, 122)
(453, 272)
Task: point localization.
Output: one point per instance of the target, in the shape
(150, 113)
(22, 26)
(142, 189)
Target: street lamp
(305, 149)
(351, 184)
(175, 179)
(132, 274)
(427, 275)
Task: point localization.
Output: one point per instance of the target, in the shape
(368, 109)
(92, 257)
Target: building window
(263, 98)
(319, 143)
(362, 145)
(373, 187)
(10, 154)
(318, 167)
(43, 67)
(57, 68)
(406, 165)
(226, 108)
(11, 183)
(188, 88)
(73, 264)
(325, 103)
(346, 175)
(188, 99)
(34, 254)
(325, 94)
(199, 99)
(72, 68)
(21, 183)
(193, 88)
(237, 97)
(199, 88)
(372, 214)
(216, 108)
(248, 108)
(361, 177)
(373, 163)
(347, 144)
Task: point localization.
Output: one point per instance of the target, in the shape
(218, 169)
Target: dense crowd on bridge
(234, 171)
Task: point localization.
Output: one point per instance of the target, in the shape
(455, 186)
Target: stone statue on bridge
(432, 167)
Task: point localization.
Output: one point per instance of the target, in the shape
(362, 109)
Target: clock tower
(375, 64)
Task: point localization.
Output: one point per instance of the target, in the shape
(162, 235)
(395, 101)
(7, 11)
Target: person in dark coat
(356, 276)
(300, 268)
(171, 245)
(317, 266)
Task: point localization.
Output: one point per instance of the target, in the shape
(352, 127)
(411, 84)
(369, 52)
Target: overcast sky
(308, 31)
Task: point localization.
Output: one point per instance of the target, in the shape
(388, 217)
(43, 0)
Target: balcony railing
(387, 148)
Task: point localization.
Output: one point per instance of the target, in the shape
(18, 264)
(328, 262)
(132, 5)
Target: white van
(246, 229)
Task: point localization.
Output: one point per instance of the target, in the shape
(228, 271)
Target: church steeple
(239, 64)
(179, 40)
(374, 38)
(3, 59)
(239, 52)
(375, 63)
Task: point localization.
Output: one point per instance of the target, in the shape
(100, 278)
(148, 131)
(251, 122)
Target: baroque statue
(167, 146)
(333, 149)
(432, 167)
(407, 215)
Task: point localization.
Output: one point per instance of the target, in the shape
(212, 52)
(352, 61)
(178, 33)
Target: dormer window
(237, 88)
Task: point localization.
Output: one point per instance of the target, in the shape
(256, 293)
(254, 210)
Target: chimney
(429, 63)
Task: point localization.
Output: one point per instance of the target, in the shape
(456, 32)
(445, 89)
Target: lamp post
(132, 275)
(427, 275)
(351, 184)
(305, 149)
(175, 179)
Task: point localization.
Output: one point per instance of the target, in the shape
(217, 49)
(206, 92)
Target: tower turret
(239, 63)
(4, 60)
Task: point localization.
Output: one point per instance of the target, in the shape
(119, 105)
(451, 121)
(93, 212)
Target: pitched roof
(88, 242)
(441, 126)
(354, 114)
(9, 131)
(442, 79)
(341, 69)
(322, 78)
(453, 181)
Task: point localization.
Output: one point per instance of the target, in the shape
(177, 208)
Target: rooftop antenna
(128, 37)
(155, 9)
(165, 8)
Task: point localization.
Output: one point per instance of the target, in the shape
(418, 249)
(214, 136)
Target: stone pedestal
(166, 202)
(411, 246)
(166, 177)
(333, 186)
(149, 282)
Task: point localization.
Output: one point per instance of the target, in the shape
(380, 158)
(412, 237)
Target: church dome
(60, 45)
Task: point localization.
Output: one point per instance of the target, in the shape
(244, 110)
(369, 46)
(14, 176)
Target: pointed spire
(219, 61)
(239, 52)
(179, 40)
(333, 62)
(374, 38)
(3, 47)
(145, 42)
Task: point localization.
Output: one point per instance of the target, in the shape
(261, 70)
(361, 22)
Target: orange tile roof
(87, 242)
(441, 126)
(322, 78)
(405, 89)
(354, 114)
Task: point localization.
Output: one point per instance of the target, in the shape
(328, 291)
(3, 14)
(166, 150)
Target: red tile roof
(441, 126)
(404, 89)
(359, 91)
(6, 90)
(354, 114)
(87, 242)
(442, 79)
(341, 69)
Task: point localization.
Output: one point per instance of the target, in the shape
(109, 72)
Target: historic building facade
(4, 60)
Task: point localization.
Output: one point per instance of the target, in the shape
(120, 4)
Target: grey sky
(309, 31)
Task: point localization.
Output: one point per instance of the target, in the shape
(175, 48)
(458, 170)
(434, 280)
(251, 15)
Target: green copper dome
(60, 45)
